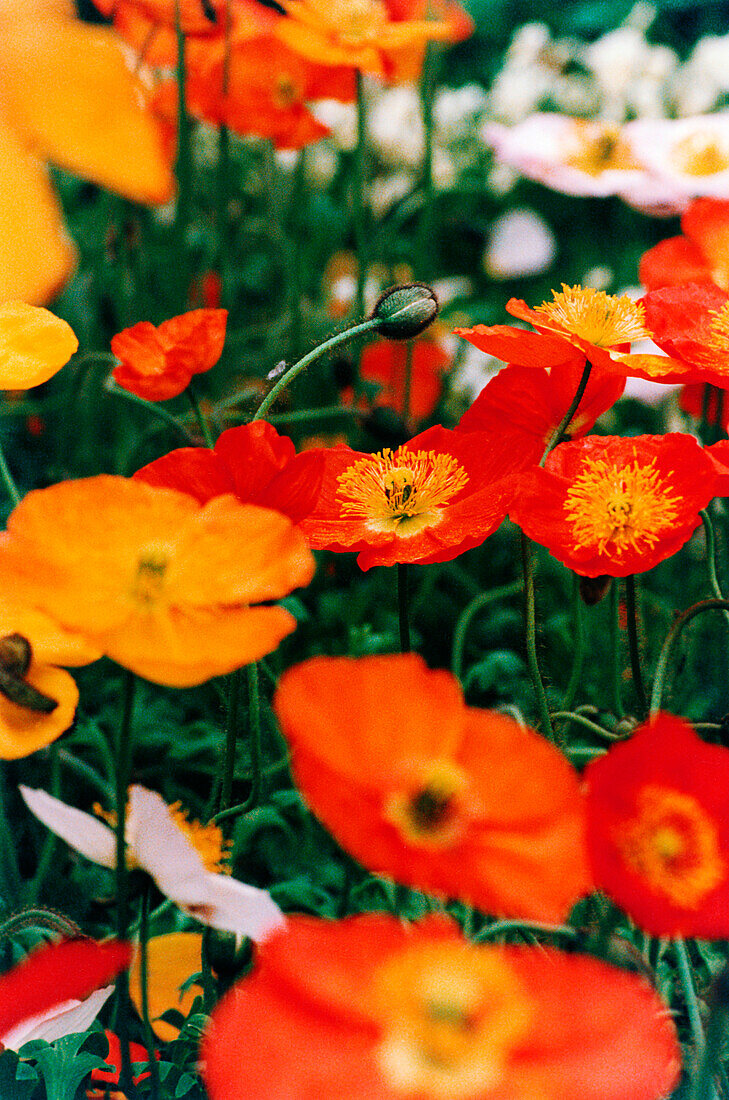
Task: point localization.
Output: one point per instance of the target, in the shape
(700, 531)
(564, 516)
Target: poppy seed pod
(403, 312)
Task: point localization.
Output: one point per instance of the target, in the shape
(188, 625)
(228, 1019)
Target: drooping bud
(15, 654)
(403, 312)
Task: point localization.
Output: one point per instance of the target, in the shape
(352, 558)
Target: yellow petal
(24, 731)
(68, 93)
(36, 255)
(34, 345)
(171, 960)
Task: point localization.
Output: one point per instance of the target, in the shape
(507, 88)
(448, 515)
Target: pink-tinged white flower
(55, 991)
(520, 243)
(181, 856)
(691, 155)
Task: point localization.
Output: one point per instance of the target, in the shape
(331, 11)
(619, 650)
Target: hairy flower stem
(530, 624)
(683, 619)
(634, 644)
(201, 421)
(425, 233)
(616, 652)
(359, 206)
(9, 480)
(123, 772)
(183, 166)
(578, 659)
(231, 736)
(156, 410)
(49, 845)
(559, 433)
(316, 353)
(144, 982)
(403, 607)
(473, 608)
(254, 726)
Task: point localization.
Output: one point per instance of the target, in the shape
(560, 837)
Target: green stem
(634, 644)
(501, 926)
(37, 916)
(402, 606)
(359, 208)
(254, 726)
(580, 720)
(80, 767)
(302, 416)
(425, 235)
(49, 846)
(9, 480)
(311, 357)
(296, 258)
(711, 555)
(559, 432)
(156, 410)
(530, 625)
(616, 651)
(231, 735)
(8, 852)
(471, 610)
(183, 167)
(683, 619)
(692, 1004)
(710, 1065)
(201, 421)
(223, 165)
(578, 659)
(123, 772)
(144, 982)
(407, 387)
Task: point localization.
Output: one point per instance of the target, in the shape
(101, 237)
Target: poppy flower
(612, 506)
(158, 363)
(699, 255)
(110, 1076)
(151, 579)
(252, 461)
(183, 857)
(171, 959)
(534, 403)
(56, 989)
(69, 98)
(358, 33)
(385, 363)
(691, 323)
(419, 787)
(688, 155)
(371, 1009)
(658, 832)
(34, 345)
(430, 500)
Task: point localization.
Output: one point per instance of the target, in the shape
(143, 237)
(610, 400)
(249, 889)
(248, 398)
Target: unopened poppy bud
(403, 312)
(594, 589)
(15, 654)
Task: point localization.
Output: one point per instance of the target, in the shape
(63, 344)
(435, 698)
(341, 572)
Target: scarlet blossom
(691, 323)
(46, 981)
(158, 363)
(421, 788)
(694, 397)
(371, 1009)
(386, 363)
(699, 255)
(658, 831)
(69, 98)
(252, 461)
(153, 580)
(534, 403)
(612, 506)
(430, 500)
(184, 858)
(110, 1076)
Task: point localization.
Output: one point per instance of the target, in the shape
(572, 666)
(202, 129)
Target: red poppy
(56, 973)
(700, 255)
(533, 403)
(439, 494)
(253, 462)
(371, 1009)
(658, 829)
(385, 363)
(691, 323)
(137, 1053)
(719, 455)
(158, 363)
(419, 787)
(578, 324)
(612, 506)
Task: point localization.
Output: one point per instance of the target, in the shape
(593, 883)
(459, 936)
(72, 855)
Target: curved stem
(559, 432)
(156, 410)
(402, 606)
(671, 637)
(530, 625)
(711, 556)
(9, 480)
(580, 720)
(634, 645)
(311, 357)
(616, 662)
(201, 421)
(471, 610)
(37, 916)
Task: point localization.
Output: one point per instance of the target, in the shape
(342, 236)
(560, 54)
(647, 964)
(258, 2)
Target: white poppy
(68, 1018)
(157, 844)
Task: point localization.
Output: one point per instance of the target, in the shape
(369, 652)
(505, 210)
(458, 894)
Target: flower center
(451, 1015)
(602, 319)
(673, 844)
(700, 154)
(402, 491)
(149, 578)
(207, 840)
(626, 507)
(429, 810)
(286, 92)
(598, 148)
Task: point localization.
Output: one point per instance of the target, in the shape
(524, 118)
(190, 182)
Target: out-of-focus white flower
(625, 64)
(473, 370)
(445, 174)
(160, 841)
(384, 191)
(520, 243)
(340, 118)
(454, 111)
(704, 77)
(322, 162)
(599, 278)
(450, 288)
(68, 1018)
(395, 126)
(690, 155)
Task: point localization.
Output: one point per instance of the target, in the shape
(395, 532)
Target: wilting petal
(34, 345)
(85, 833)
(68, 1018)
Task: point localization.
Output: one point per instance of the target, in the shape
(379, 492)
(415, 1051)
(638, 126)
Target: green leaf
(65, 1064)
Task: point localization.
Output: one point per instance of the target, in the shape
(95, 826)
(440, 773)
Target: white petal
(67, 1018)
(234, 906)
(83, 832)
(162, 850)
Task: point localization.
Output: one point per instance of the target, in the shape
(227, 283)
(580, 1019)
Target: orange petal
(36, 255)
(171, 960)
(34, 345)
(72, 98)
(23, 731)
(52, 645)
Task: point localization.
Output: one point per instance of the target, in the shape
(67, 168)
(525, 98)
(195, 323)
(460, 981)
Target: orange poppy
(658, 829)
(34, 345)
(253, 462)
(171, 960)
(385, 363)
(69, 98)
(430, 500)
(691, 323)
(158, 363)
(700, 255)
(612, 506)
(372, 1009)
(578, 324)
(359, 33)
(534, 403)
(153, 580)
(419, 787)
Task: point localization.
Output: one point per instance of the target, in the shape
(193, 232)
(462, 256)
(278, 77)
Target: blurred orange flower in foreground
(370, 1009)
(34, 345)
(67, 97)
(438, 795)
(158, 363)
(153, 580)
